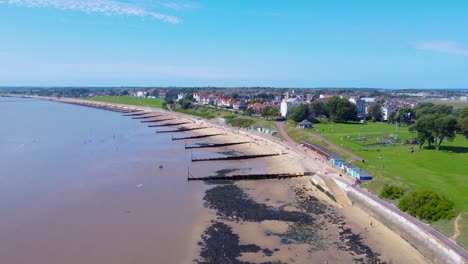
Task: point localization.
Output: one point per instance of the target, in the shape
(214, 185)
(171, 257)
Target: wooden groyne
(170, 124)
(137, 114)
(157, 120)
(146, 117)
(215, 145)
(180, 130)
(242, 157)
(104, 107)
(195, 137)
(251, 176)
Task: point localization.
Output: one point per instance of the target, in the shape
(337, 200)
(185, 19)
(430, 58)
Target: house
(257, 107)
(223, 102)
(325, 96)
(203, 99)
(238, 105)
(305, 124)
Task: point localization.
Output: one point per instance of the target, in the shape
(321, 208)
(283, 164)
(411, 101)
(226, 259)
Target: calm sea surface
(83, 185)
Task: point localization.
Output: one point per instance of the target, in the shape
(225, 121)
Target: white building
(180, 96)
(284, 108)
(387, 111)
(140, 94)
(463, 98)
(287, 105)
(369, 99)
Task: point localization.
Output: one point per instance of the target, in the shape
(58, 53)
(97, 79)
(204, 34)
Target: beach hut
(336, 161)
(305, 124)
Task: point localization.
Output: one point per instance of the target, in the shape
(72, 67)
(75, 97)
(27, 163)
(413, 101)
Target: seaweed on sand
(232, 203)
(221, 245)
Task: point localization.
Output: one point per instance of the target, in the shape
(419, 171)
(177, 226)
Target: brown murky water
(81, 185)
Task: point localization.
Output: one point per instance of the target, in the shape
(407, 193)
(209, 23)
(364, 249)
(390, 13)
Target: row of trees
(335, 108)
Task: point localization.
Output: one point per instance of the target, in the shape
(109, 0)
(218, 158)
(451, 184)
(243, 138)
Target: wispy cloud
(107, 7)
(448, 47)
(177, 5)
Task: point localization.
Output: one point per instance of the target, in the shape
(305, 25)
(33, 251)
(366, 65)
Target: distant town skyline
(301, 44)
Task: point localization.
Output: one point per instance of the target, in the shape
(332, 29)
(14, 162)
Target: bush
(392, 192)
(240, 122)
(427, 205)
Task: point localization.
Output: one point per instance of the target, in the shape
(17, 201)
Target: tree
(318, 108)
(405, 115)
(427, 205)
(375, 113)
(424, 127)
(249, 111)
(463, 122)
(269, 111)
(429, 108)
(392, 192)
(300, 113)
(435, 128)
(444, 128)
(234, 96)
(332, 104)
(341, 110)
(346, 111)
(392, 118)
(273, 112)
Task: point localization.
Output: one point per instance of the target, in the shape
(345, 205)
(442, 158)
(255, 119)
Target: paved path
(427, 228)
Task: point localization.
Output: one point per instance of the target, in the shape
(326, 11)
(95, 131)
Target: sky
(275, 43)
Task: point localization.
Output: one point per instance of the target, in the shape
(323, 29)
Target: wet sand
(238, 222)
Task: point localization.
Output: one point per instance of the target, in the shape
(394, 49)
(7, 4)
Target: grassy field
(455, 104)
(130, 100)
(389, 161)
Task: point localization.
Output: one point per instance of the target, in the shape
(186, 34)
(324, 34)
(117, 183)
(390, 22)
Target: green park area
(391, 159)
(129, 100)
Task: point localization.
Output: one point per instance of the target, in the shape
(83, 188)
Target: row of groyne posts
(150, 117)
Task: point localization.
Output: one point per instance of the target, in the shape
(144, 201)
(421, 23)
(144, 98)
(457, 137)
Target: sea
(83, 185)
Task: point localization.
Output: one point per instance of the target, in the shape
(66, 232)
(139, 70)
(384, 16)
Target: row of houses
(347, 168)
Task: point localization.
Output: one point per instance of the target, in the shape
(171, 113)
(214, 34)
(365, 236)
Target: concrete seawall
(425, 243)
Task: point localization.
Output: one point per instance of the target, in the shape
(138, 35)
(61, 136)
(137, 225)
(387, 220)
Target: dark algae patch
(232, 203)
(221, 245)
(306, 226)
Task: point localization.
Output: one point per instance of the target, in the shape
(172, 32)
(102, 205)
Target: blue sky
(374, 43)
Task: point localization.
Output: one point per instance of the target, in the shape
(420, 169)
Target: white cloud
(176, 5)
(448, 47)
(107, 7)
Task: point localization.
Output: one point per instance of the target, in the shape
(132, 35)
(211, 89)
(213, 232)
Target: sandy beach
(277, 220)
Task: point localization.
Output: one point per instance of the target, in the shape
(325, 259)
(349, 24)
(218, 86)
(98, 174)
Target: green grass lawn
(443, 171)
(455, 104)
(129, 100)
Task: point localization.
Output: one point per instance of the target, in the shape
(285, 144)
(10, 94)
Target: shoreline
(291, 161)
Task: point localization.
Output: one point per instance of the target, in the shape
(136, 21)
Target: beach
(263, 221)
